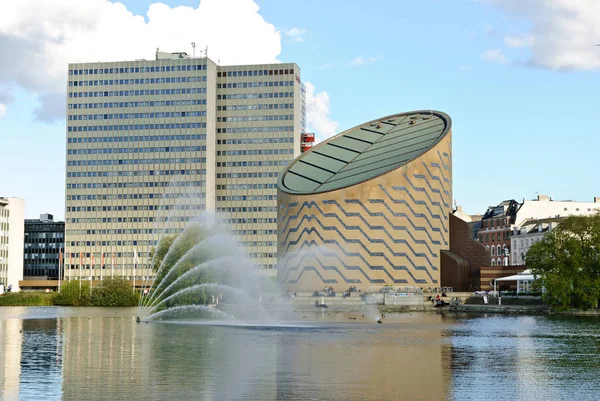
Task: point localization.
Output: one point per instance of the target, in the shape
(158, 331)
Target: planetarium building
(368, 207)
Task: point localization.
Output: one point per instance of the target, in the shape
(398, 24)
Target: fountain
(205, 272)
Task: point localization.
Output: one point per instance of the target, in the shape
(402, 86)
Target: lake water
(102, 354)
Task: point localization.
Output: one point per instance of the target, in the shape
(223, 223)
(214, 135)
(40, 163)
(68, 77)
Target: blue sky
(521, 85)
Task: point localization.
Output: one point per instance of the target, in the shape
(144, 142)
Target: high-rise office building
(44, 240)
(152, 143)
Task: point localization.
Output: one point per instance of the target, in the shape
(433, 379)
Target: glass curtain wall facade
(43, 241)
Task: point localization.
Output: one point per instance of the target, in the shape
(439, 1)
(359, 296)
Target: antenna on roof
(194, 49)
(206, 51)
(157, 53)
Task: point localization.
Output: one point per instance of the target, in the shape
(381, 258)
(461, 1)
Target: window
(499, 252)
(493, 250)
(493, 262)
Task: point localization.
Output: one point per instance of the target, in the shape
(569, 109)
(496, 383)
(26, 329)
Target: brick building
(495, 231)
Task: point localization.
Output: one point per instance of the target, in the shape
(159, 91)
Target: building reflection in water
(72, 358)
(409, 362)
(11, 339)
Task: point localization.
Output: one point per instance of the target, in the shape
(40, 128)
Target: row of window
(140, 81)
(131, 116)
(255, 152)
(135, 70)
(250, 73)
(525, 242)
(286, 117)
(105, 151)
(496, 223)
(133, 208)
(263, 220)
(254, 232)
(51, 242)
(246, 186)
(150, 103)
(503, 236)
(248, 141)
(160, 184)
(259, 243)
(136, 138)
(246, 197)
(132, 127)
(168, 68)
(158, 195)
(244, 107)
(244, 130)
(171, 219)
(497, 250)
(246, 209)
(31, 235)
(235, 96)
(265, 174)
(139, 173)
(255, 84)
(119, 162)
(260, 163)
(30, 251)
(139, 92)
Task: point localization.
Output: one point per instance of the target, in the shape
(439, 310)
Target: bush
(115, 292)
(71, 295)
(26, 299)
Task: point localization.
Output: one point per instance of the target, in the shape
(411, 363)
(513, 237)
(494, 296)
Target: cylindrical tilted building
(368, 207)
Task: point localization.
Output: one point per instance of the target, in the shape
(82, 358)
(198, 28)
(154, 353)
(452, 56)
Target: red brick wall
(463, 246)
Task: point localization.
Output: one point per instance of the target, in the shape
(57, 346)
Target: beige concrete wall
(387, 230)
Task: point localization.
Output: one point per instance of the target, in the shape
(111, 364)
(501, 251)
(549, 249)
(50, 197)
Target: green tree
(114, 292)
(567, 260)
(71, 294)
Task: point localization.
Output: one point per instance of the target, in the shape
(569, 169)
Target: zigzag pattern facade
(311, 230)
(300, 226)
(318, 258)
(386, 230)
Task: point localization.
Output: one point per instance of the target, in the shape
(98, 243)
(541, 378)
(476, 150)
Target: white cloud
(563, 33)
(296, 34)
(317, 114)
(363, 60)
(494, 56)
(38, 38)
(2, 110)
(519, 41)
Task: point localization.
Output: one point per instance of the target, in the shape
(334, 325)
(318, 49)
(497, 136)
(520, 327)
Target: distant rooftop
(365, 152)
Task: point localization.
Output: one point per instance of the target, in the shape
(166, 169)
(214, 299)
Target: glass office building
(44, 239)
